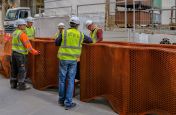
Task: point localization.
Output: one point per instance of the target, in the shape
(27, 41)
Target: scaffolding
(137, 6)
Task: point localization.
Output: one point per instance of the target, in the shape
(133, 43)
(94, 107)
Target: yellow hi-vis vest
(17, 45)
(71, 45)
(93, 35)
(30, 32)
(56, 35)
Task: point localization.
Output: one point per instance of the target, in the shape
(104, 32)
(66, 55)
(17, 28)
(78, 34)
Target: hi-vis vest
(30, 32)
(71, 45)
(17, 45)
(56, 35)
(93, 35)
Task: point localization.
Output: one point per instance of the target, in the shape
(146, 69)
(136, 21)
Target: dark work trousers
(78, 71)
(18, 67)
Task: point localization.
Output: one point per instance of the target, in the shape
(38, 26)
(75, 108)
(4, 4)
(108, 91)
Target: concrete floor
(34, 102)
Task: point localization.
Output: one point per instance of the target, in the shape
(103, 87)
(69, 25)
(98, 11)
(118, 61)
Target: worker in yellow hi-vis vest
(30, 30)
(96, 33)
(70, 42)
(61, 27)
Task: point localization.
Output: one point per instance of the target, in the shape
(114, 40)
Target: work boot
(23, 86)
(70, 106)
(13, 84)
(61, 103)
(28, 80)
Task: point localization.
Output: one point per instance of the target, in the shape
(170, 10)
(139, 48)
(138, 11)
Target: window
(23, 14)
(12, 15)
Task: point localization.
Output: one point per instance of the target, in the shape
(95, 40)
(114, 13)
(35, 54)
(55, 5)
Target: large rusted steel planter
(43, 68)
(5, 55)
(135, 78)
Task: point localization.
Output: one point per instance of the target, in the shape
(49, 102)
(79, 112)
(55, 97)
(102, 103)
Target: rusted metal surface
(5, 54)
(142, 18)
(135, 78)
(44, 67)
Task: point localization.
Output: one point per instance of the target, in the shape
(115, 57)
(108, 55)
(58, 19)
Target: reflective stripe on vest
(93, 35)
(71, 45)
(17, 45)
(30, 32)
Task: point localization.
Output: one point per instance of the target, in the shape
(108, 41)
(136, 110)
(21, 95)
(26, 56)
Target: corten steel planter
(43, 68)
(139, 44)
(135, 78)
(5, 54)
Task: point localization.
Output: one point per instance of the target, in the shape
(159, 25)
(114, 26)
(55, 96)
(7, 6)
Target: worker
(30, 30)
(61, 27)
(70, 42)
(96, 33)
(20, 48)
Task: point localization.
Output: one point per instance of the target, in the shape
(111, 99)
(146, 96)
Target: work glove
(36, 52)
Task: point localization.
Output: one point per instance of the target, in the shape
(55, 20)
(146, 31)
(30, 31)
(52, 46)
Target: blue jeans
(67, 72)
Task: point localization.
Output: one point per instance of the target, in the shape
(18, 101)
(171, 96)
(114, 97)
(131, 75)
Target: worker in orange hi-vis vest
(20, 48)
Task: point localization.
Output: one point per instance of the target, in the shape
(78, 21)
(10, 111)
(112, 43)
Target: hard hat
(88, 23)
(20, 22)
(30, 19)
(75, 20)
(61, 25)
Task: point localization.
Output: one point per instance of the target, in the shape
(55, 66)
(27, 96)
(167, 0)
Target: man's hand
(36, 52)
(78, 59)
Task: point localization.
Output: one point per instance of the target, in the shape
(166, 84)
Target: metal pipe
(134, 15)
(175, 12)
(125, 14)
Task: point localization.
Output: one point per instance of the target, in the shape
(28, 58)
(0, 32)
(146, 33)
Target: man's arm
(34, 32)
(24, 39)
(87, 39)
(58, 40)
(99, 35)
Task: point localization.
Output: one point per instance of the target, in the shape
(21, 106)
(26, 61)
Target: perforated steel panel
(44, 67)
(5, 53)
(136, 79)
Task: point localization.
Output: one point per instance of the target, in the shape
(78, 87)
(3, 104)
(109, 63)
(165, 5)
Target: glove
(36, 52)
(78, 59)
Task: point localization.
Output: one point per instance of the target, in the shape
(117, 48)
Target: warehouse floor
(34, 102)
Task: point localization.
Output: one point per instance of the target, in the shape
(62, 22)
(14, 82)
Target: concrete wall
(94, 12)
(1, 23)
(166, 14)
(74, 3)
(44, 27)
(152, 38)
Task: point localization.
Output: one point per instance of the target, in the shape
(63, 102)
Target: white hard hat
(88, 23)
(61, 25)
(75, 20)
(20, 22)
(30, 19)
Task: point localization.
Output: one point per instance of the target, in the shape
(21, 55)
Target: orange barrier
(136, 79)
(43, 68)
(5, 54)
